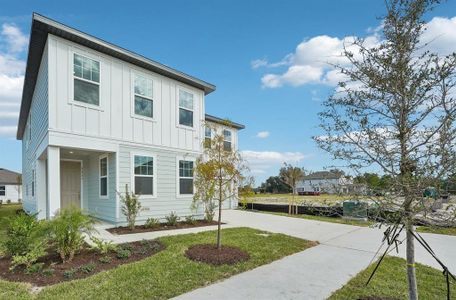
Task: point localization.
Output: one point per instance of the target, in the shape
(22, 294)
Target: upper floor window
(185, 177)
(143, 91)
(207, 137)
(144, 175)
(86, 80)
(227, 140)
(103, 176)
(185, 108)
(2, 190)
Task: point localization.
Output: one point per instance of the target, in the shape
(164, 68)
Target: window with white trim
(185, 177)
(86, 73)
(144, 175)
(227, 140)
(2, 190)
(185, 108)
(143, 94)
(33, 183)
(103, 165)
(207, 137)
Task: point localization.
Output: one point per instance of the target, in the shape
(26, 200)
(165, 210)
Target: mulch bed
(208, 253)
(86, 263)
(142, 228)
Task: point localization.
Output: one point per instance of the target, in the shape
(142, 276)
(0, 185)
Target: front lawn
(6, 210)
(390, 282)
(169, 273)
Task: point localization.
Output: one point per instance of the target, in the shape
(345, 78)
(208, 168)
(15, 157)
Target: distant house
(10, 186)
(330, 182)
(96, 118)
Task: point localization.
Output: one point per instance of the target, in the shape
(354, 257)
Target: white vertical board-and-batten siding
(114, 119)
(39, 121)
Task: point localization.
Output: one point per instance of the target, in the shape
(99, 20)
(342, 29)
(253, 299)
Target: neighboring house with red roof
(10, 186)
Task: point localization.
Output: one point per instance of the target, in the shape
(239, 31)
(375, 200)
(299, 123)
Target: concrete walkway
(315, 273)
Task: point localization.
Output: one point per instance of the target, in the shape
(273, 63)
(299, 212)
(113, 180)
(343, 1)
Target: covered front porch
(82, 178)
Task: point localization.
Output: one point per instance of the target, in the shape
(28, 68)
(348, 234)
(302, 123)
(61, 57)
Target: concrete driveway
(315, 273)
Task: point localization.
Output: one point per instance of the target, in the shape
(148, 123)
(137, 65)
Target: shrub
(8, 201)
(30, 257)
(88, 268)
(67, 230)
(25, 239)
(123, 253)
(1, 202)
(48, 272)
(35, 268)
(152, 223)
(68, 274)
(190, 220)
(105, 259)
(102, 246)
(130, 207)
(172, 219)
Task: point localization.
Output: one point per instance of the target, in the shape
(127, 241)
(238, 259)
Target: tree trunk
(219, 232)
(411, 275)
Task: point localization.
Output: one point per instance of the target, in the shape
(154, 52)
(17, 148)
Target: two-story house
(96, 118)
(330, 182)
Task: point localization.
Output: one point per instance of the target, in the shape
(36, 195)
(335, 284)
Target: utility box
(355, 209)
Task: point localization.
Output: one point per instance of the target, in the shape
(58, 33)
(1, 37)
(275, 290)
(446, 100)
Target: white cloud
(262, 134)
(16, 41)
(12, 44)
(257, 63)
(261, 162)
(313, 59)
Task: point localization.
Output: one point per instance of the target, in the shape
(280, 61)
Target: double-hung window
(185, 108)
(144, 175)
(207, 137)
(185, 177)
(227, 140)
(143, 93)
(103, 176)
(2, 190)
(86, 74)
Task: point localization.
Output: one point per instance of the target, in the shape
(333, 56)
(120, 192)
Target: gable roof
(323, 175)
(221, 121)
(8, 177)
(42, 26)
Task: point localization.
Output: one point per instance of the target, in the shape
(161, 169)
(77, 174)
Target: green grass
(437, 230)
(6, 210)
(390, 281)
(168, 273)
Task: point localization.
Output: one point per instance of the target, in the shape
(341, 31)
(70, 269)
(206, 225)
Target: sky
(268, 59)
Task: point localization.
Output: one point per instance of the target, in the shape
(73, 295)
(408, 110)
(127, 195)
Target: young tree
(396, 109)
(217, 174)
(291, 175)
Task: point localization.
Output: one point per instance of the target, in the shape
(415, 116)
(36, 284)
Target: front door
(70, 184)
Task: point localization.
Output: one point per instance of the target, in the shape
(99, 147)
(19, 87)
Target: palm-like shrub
(130, 207)
(67, 230)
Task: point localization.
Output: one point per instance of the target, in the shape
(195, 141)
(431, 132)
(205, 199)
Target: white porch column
(53, 180)
(41, 187)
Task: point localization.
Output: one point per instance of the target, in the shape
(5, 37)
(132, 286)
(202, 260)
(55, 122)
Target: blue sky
(248, 49)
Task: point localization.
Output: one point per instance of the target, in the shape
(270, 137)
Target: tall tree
(396, 109)
(275, 185)
(217, 174)
(291, 175)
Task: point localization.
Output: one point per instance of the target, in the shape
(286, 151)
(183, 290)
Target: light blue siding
(102, 208)
(39, 124)
(166, 199)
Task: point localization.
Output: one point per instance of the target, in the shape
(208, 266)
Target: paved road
(315, 273)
